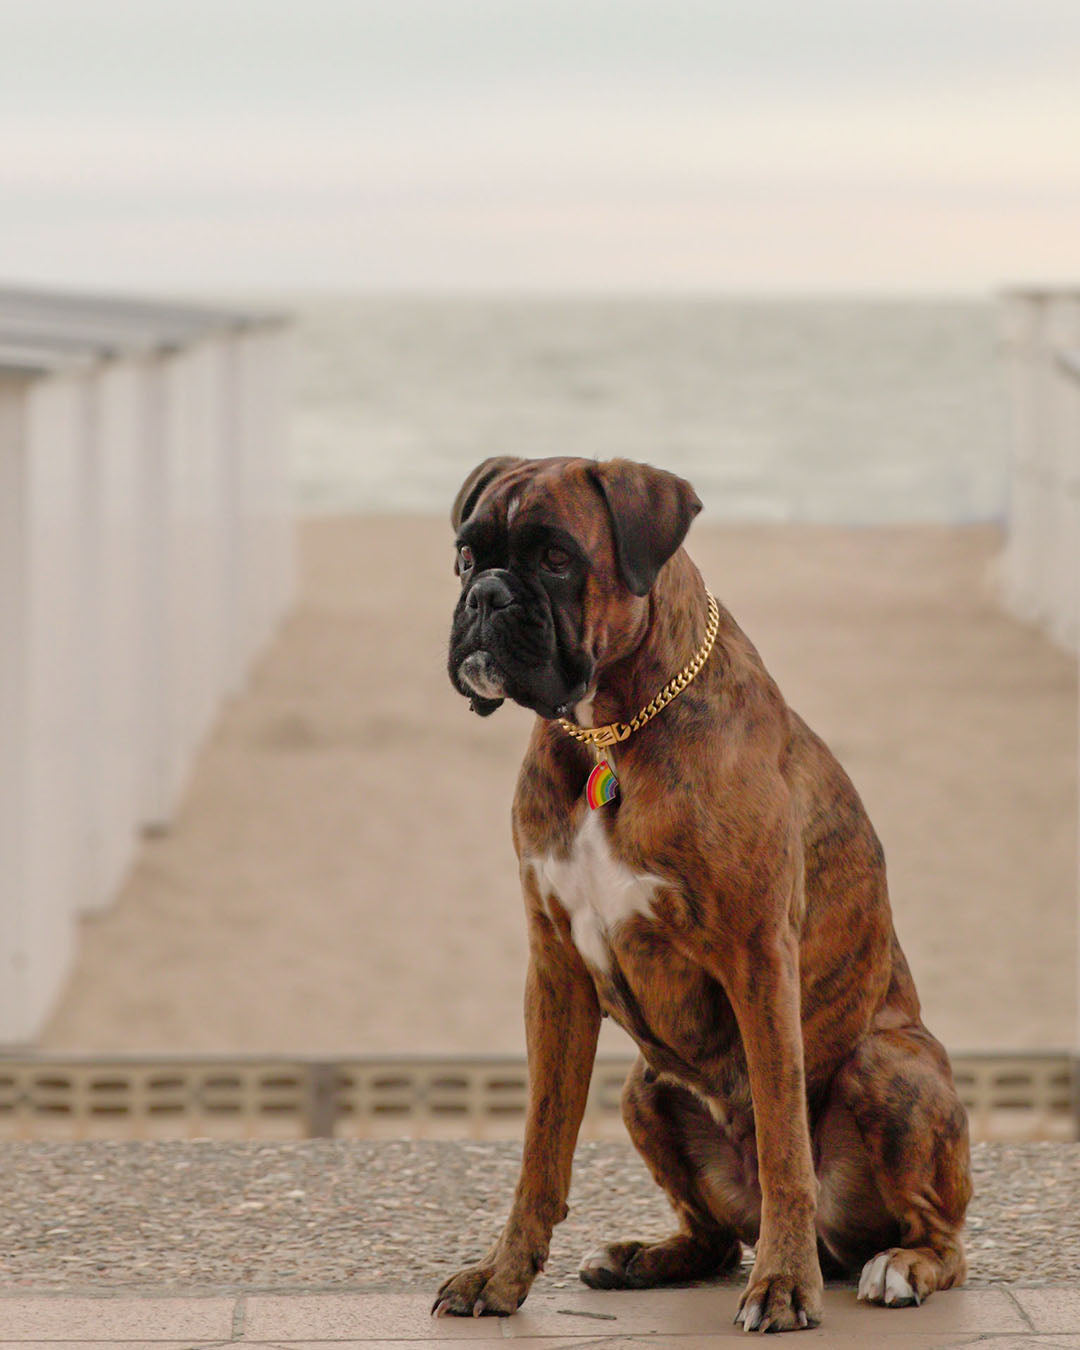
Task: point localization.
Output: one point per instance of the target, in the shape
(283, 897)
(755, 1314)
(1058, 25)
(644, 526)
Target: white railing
(145, 555)
(1041, 564)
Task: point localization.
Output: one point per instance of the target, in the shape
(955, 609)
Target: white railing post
(153, 494)
(56, 808)
(1021, 319)
(1062, 333)
(13, 605)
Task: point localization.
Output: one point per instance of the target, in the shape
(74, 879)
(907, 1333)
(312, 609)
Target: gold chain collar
(619, 731)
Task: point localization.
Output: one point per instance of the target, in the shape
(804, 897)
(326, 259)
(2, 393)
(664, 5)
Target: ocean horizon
(838, 411)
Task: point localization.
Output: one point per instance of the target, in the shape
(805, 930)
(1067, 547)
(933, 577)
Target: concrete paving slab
(1056, 1310)
(731, 1337)
(495, 1342)
(26, 1317)
(1034, 1341)
(685, 1319)
(819, 1337)
(589, 1341)
(710, 1311)
(320, 1317)
(707, 1312)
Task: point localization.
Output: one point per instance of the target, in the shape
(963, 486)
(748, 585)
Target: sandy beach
(341, 878)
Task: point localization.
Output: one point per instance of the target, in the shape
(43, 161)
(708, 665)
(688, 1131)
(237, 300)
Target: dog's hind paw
(888, 1279)
(674, 1260)
(605, 1268)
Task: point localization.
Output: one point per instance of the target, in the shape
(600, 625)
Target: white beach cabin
(1041, 331)
(145, 557)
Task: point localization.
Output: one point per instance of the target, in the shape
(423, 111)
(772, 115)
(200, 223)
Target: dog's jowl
(717, 889)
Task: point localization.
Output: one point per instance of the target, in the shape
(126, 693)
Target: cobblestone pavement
(399, 1216)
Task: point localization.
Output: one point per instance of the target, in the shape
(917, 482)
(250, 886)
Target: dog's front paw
(481, 1290)
(780, 1302)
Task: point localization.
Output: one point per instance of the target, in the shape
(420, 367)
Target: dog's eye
(464, 559)
(555, 560)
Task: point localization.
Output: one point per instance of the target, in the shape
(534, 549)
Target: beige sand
(341, 877)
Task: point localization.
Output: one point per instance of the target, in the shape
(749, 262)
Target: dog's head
(556, 557)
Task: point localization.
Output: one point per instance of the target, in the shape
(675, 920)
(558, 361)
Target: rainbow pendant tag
(602, 787)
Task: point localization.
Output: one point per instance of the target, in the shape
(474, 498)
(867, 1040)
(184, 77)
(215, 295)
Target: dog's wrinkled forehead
(514, 494)
(637, 513)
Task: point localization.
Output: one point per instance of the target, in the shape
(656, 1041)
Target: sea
(837, 411)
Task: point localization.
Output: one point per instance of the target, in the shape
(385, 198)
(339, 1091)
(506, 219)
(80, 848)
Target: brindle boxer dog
(728, 909)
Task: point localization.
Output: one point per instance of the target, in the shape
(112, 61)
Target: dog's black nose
(487, 593)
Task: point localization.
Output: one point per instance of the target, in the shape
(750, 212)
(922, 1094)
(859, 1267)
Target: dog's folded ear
(650, 511)
(477, 481)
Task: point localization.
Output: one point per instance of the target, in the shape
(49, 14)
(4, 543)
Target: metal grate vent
(1029, 1096)
(1026, 1096)
(95, 1098)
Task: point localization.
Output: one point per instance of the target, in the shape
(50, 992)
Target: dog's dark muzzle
(504, 642)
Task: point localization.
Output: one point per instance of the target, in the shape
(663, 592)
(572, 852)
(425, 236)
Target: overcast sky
(927, 145)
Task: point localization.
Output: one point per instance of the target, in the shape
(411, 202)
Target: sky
(540, 145)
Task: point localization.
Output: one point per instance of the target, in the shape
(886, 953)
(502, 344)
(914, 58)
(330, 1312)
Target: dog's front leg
(562, 1020)
(784, 1291)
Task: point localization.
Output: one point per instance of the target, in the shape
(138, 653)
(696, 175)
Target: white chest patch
(597, 891)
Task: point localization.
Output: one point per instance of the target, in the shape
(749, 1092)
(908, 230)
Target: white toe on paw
(898, 1290)
(872, 1280)
(599, 1260)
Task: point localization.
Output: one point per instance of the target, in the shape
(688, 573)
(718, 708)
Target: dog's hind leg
(909, 1145)
(674, 1133)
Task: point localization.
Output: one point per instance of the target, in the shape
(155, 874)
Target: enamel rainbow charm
(602, 787)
